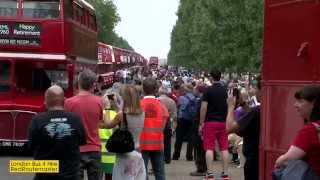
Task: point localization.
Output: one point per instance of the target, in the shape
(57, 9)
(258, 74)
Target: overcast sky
(147, 24)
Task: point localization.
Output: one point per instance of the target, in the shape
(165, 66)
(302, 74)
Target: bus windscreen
(5, 76)
(42, 79)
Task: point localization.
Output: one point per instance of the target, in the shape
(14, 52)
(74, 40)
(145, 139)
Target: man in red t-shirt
(90, 108)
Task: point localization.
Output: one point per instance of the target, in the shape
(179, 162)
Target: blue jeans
(157, 162)
(91, 161)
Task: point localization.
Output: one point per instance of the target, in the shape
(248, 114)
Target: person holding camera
(248, 127)
(109, 113)
(131, 165)
(128, 166)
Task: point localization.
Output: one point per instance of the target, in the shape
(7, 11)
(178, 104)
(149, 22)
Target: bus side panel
(22, 122)
(290, 61)
(117, 54)
(81, 41)
(51, 37)
(280, 123)
(104, 53)
(50, 40)
(288, 30)
(6, 126)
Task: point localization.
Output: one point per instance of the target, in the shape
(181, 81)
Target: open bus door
(22, 85)
(6, 124)
(72, 80)
(6, 77)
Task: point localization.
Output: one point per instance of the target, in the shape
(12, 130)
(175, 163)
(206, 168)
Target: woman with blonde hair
(130, 166)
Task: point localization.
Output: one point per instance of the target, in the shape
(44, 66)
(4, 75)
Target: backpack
(192, 108)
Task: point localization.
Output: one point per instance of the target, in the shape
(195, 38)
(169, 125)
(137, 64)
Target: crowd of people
(215, 116)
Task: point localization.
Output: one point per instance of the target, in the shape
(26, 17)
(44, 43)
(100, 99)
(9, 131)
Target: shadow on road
(25, 152)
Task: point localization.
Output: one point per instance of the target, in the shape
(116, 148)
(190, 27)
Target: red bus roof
(87, 4)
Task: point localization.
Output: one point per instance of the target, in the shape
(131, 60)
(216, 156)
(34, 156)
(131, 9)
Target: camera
(236, 92)
(110, 96)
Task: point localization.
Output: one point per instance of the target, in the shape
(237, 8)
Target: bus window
(68, 9)
(8, 7)
(84, 18)
(4, 76)
(92, 21)
(41, 9)
(79, 14)
(42, 79)
(58, 77)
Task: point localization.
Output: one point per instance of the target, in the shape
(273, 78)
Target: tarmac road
(4, 169)
(177, 170)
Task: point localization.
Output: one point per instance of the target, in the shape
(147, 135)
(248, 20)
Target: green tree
(224, 34)
(180, 42)
(107, 19)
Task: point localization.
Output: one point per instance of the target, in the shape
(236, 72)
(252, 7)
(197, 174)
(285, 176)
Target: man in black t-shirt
(213, 114)
(248, 127)
(57, 135)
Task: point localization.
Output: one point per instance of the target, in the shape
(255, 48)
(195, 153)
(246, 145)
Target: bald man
(57, 135)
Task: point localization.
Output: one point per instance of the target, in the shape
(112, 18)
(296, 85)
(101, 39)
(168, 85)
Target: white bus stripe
(34, 56)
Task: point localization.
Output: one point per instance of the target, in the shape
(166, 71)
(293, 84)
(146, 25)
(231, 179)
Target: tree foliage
(107, 19)
(224, 34)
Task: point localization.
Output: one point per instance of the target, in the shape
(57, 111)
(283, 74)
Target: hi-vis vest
(104, 134)
(151, 137)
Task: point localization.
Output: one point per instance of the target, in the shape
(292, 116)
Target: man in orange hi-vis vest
(151, 138)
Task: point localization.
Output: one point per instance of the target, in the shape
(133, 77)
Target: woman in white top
(130, 166)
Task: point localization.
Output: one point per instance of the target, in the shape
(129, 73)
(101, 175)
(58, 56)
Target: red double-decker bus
(290, 61)
(43, 42)
(111, 59)
(154, 62)
(125, 58)
(106, 64)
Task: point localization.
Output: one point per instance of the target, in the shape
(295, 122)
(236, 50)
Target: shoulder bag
(121, 140)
